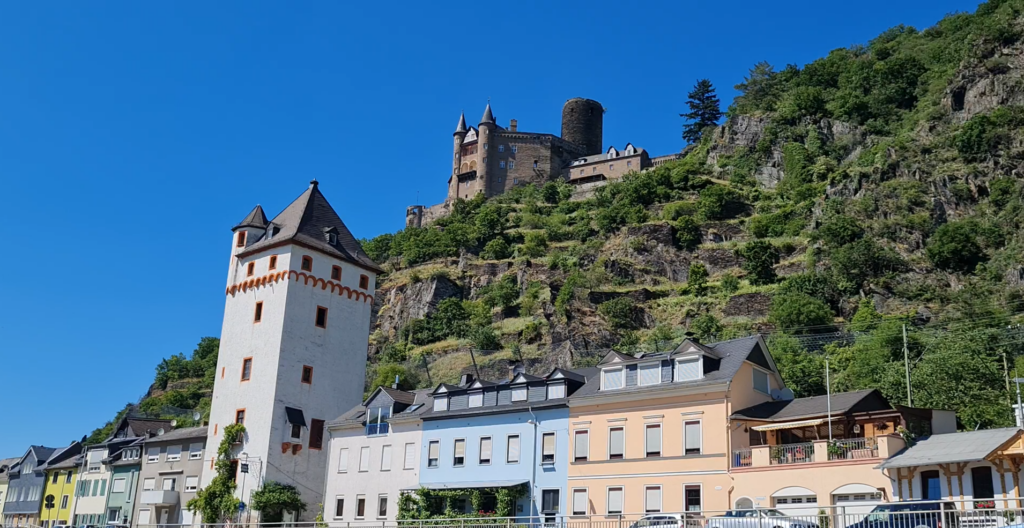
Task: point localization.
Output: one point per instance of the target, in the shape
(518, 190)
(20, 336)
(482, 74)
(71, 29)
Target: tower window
(515, 148)
(332, 238)
(273, 262)
(512, 163)
(307, 374)
(321, 317)
(535, 164)
(240, 239)
(307, 263)
(246, 369)
(364, 282)
(336, 273)
(501, 164)
(501, 148)
(258, 315)
(240, 416)
(629, 164)
(251, 269)
(611, 166)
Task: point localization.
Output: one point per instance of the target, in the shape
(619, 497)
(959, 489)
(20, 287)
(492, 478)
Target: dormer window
(240, 239)
(613, 378)
(331, 234)
(650, 374)
(556, 391)
(689, 369)
(519, 393)
(440, 404)
(476, 399)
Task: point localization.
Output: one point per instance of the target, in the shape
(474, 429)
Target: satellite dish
(160, 431)
(786, 394)
(174, 423)
(776, 394)
(196, 416)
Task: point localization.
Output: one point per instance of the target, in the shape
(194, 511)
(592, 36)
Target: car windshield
(773, 513)
(740, 513)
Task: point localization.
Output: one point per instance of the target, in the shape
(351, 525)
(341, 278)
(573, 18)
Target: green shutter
(103, 488)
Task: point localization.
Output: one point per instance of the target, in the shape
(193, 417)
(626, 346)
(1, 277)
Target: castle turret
(460, 136)
(487, 126)
(582, 124)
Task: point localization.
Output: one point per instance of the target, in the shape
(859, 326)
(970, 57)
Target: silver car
(759, 518)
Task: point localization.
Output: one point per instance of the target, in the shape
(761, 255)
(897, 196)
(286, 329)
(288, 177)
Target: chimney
(515, 368)
(395, 384)
(466, 380)
(513, 125)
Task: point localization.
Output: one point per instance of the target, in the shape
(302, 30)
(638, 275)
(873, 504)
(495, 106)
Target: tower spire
(461, 129)
(488, 116)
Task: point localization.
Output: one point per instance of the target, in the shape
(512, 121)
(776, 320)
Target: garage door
(855, 501)
(796, 501)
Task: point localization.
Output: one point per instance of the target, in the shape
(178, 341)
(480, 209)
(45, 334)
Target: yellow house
(59, 490)
(710, 428)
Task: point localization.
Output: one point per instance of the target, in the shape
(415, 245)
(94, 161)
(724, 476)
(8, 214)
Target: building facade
(171, 465)
(293, 343)
(125, 467)
(59, 490)
(610, 165)
(375, 455)
(25, 487)
(5, 468)
(487, 435)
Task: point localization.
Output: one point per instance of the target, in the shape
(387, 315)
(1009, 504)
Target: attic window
(336, 273)
(364, 282)
(332, 238)
(307, 263)
(688, 369)
(240, 239)
(613, 378)
(761, 381)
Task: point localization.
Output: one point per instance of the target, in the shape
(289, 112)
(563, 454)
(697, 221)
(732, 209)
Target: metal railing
(742, 458)
(377, 428)
(791, 454)
(853, 449)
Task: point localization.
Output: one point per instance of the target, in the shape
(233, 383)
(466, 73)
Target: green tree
(618, 312)
(385, 374)
(803, 372)
(274, 499)
(730, 283)
(954, 247)
(216, 501)
(660, 339)
(839, 231)
(496, 249)
(688, 234)
(714, 202)
(501, 294)
(866, 317)
(697, 279)
(706, 327)
(535, 244)
(963, 373)
(799, 313)
(759, 258)
(629, 342)
(484, 338)
(704, 111)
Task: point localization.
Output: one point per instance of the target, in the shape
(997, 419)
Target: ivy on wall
(441, 504)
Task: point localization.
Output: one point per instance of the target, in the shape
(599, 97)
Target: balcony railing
(376, 428)
(742, 458)
(792, 454)
(853, 449)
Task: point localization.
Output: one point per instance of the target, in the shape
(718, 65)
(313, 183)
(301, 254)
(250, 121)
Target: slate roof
(42, 453)
(814, 406)
(355, 415)
(948, 448)
(68, 463)
(7, 463)
(255, 218)
(180, 434)
(400, 396)
(141, 427)
(462, 124)
(304, 222)
(488, 115)
(497, 409)
(732, 352)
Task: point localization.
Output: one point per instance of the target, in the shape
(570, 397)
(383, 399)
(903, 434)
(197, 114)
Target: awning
(474, 484)
(789, 425)
(295, 416)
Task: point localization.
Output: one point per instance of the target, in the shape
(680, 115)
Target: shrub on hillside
(1001, 191)
(496, 249)
(839, 230)
(715, 202)
(759, 259)
(799, 313)
(954, 247)
(688, 234)
(535, 245)
(729, 283)
(618, 312)
(697, 279)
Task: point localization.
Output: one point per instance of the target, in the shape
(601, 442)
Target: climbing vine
(442, 504)
(216, 502)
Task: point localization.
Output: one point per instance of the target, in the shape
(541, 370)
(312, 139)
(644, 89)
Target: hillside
(874, 189)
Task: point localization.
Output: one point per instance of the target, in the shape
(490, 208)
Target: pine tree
(704, 111)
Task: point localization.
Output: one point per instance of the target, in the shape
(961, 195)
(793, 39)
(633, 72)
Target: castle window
(629, 164)
(535, 164)
(512, 163)
(611, 166)
(240, 240)
(515, 180)
(251, 269)
(336, 273)
(246, 369)
(240, 416)
(273, 262)
(583, 172)
(515, 148)
(321, 317)
(332, 238)
(501, 164)
(257, 316)
(501, 148)
(307, 374)
(307, 263)
(364, 282)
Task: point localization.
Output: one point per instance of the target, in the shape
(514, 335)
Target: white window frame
(520, 393)
(148, 480)
(475, 395)
(385, 497)
(336, 514)
(661, 439)
(124, 485)
(480, 451)
(150, 458)
(363, 516)
(465, 451)
(501, 164)
(554, 449)
(441, 404)
(193, 453)
(364, 461)
(558, 385)
(700, 425)
(438, 459)
(639, 375)
(700, 488)
(173, 456)
(586, 456)
(661, 498)
(192, 488)
(515, 148)
(604, 377)
(609, 453)
(767, 376)
(700, 368)
(406, 463)
(508, 442)
(608, 501)
(586, 501)
(343, 460)
(512, 163)
(385, 457)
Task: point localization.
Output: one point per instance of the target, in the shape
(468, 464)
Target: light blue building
(483, 434)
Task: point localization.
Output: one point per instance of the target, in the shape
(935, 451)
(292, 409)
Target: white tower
(293, 345)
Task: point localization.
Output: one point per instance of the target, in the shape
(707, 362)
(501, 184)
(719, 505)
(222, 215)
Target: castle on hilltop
(492, 159)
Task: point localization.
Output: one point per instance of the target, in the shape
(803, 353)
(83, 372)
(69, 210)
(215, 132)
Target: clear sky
(134, 135)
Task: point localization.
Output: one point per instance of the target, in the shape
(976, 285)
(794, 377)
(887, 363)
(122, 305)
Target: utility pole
(828, 399)
(906, 363)
(1020, 412)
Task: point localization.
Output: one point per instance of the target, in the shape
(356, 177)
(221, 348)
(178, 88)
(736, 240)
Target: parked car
(761, 518)
(912, 514)
(668, 520)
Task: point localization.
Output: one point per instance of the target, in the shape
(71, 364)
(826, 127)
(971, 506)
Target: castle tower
(460, 136)
(582, 124)
(293, 343)
(487, 127)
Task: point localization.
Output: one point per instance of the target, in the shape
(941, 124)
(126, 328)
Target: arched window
(744, 503)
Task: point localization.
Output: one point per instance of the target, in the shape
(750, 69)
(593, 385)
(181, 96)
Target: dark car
(912, 514)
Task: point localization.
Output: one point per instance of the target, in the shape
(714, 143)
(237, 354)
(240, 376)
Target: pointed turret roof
(488, 116)
(255, 218)
(305, 222)
(461, 129)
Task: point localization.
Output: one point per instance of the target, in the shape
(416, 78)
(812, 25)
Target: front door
(164, 516)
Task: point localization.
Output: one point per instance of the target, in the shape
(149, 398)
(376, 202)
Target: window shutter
(549, 444)
(688, 369)
(485, 448)
(579, 502)
(653, 497)
(613, 379)
(316, 434)
(410, 456)
(692, 435)
(513, 449)
(519, 393)
(343, 460)
(581, 449)
(460, 448)
(761, 381)
(441, 404)
(617, 441)
(653, 440)
(615, 500)
(385, 458)
(435, 450)
(364, 459)
(476, 399)
(650, 374)
(556, 391)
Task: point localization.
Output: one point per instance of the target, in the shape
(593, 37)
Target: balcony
(373, 429)
(159, 497)
(840, 451)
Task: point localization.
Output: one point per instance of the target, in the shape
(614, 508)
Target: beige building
(613, 164)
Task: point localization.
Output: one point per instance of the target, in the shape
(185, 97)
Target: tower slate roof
(255, 218)
(461, 129)
(304, 222)
(488, 116)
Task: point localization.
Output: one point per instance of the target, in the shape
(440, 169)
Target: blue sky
(133, 135)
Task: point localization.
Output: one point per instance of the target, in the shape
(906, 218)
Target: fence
(912, 514)
(853, 448)
(792, 453)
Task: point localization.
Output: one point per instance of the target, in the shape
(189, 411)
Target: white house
(375, 455)
(293, 344)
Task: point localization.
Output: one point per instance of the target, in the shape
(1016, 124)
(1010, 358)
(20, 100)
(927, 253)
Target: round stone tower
(582, 122)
